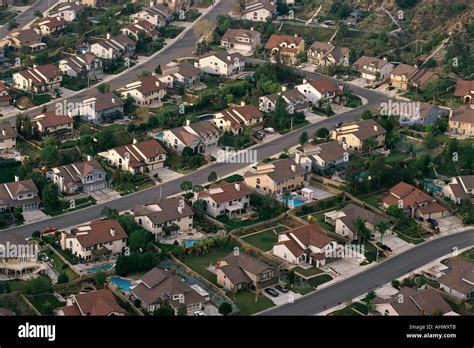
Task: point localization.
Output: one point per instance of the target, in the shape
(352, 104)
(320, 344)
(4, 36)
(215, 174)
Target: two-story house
(49, 26)
(294, 99)
(400, 76)
(242, 40)
(79, 177)
(259, 10)
(67, 11)
(146, 91)
(114, 47)
(95, 303)
(38, 79)
(19, 194)
(165, 217)
(239, 270)
(199, 136)
(276, 176)
(141, 27)
(327, 54)
(52, 123)
(183, 74)
(24, 38)
(21, 263)
(139, 157)
(96, 239)
(307, 244)
(225, 199)
(355, 135)
(102, 107)
(321, 92)
(461, 122)
(465, 91)
(235, 120)
(373, 69)
(84, 66)
(158, 15)
(221, 63)
(459, 188)
(321, 157)
(5, 97)
(286, 46)
(7, 137)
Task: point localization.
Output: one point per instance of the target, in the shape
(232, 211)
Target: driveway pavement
(397, 245)
(313, 118)
(34, 215)
(449, 224)
(283, 298)
(165, 174)
(105, 195)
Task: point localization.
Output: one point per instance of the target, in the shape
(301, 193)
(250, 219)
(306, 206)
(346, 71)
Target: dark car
(433, 223)
(281, 288)
(271, 292)
(390, 88)
(339, 124)
(259, 135)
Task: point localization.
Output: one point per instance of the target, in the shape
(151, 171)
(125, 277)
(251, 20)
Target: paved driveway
(283, 298)
(34, 215)
(105, 195)
(449, 224)
(397, 245)
(165, 174)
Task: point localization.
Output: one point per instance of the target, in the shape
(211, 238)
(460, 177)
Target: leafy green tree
(212, 177)
(100, 279)
(322, 133)
(139, 239)
(303, 138)
(382, 227)
(50, 198)
(363, 233)
(103, 88)
(225, 308)
(395, 211)
(109, 213)
(63, 278)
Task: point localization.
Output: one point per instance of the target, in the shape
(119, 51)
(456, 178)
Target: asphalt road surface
(376, 276)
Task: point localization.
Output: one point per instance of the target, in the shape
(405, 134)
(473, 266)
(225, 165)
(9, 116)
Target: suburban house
(5, 97)
(294, 99)
(305, 244)
(52, 123)
(96, 239)
(421, 115)
(326, 54)
(414, 303)
(199, 136)
(235, 120)
(400, 76)
(38, 79)
(79, 177)
(225, 199)
(67, 11)
(114, 47)
(460, 187)
(458, 279)
(164, 217)
(321, 92)
(139, 157)
(421, 78)
(146, 91)
(355, 135)
(465, 91)
(85, 66)
(259, 10)
(242, 40)
(49, 26)
(18, 264)
(102, 107)
(221, 63)
(344, 220)
(276, 176)
(24, 38)
(286, 46)
(321, 157)
(158, 15)
(141, 27)
(158, 288)
(461, 122)
(373, 69)
(7, 137)
(19, 194)
(176, 5)
(94, 303)
(241, 271)
(184, 74)
(414, 202)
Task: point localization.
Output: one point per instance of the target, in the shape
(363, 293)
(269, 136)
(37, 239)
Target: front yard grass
(265, 239)
(245, 300)
(309, 285)
(45, 303)
(61, 267)
(307, 272)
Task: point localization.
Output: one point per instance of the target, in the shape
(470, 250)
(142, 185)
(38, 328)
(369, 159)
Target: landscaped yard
(264, 240)
(61, 267)
(45, 303)
(373, 199)
(309, 272)
(199, 263)
(245, 300)
(311, 284)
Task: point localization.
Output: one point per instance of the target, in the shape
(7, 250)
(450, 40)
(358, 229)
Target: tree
(50, 198)
(186, 185)
(158, 70)
(369, 144)
(50, 154)
(63, 278)
(212, 177)
(225, 308)
(164, 311)
(303, 138)
(204, 29)
(103, 88)
(100, 279)
(36, 235)
(322, 133)
(363, 233)
(367, 115)
(109, 213)
(382, 227)
(139, 239)
(182, 311)
(395, 211)
(291, 277)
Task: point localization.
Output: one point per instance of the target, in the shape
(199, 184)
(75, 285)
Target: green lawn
(311, 284)
(199, 263)
(8, 171)
(264, 240)
(346, 312)
(421, 280)
(61, 267)
(307, 272)
(373, 199)
(395, 157)
(45, 303)
(245, 300)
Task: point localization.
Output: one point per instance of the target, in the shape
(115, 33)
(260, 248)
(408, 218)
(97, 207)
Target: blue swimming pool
(206, 117)
(189, 242)
(122, 283)
(295, 202)
(98, 269)
(160, 136)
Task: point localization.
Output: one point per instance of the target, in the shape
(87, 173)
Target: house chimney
(112, 232)
(237, 186)
(113, 100)
(4, 132)
(293, 168)
(283, 88)
(108, 36)
(252, 28)
(135, 141)
(305, 81)
(296, 35)
(157, 83)
(180, 206)
(17, 178)
(376, 128)
(151, 3)
(89, 158)
(188, 122)
(242, 103)
(297, 158)
(385, 58)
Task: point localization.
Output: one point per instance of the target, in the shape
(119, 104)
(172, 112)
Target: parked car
(433, 223)
(200, 314)
(390, 88)
(282, 288)
(337, 125)
(259, 135)
(272, 292)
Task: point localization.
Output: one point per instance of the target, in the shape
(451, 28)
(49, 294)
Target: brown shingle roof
(149, 148)
(458, 275)
(168, 210)
(462, 114)
(100, 232)
(281, 170)
(7, 131)
(52, 119)
(225, 192)
(331, 151)
(403, 70)
(463, 88)
(100, 302)
(276, 40)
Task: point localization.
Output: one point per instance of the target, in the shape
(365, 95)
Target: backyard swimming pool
(188, 243)
(295, 202)
(207, 117)
(122, 283)
(100, 268)
(160, 136)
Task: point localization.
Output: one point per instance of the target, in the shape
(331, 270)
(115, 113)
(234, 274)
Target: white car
(200, 314)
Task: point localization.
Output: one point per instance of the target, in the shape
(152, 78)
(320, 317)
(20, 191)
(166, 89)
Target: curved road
(376, 276)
